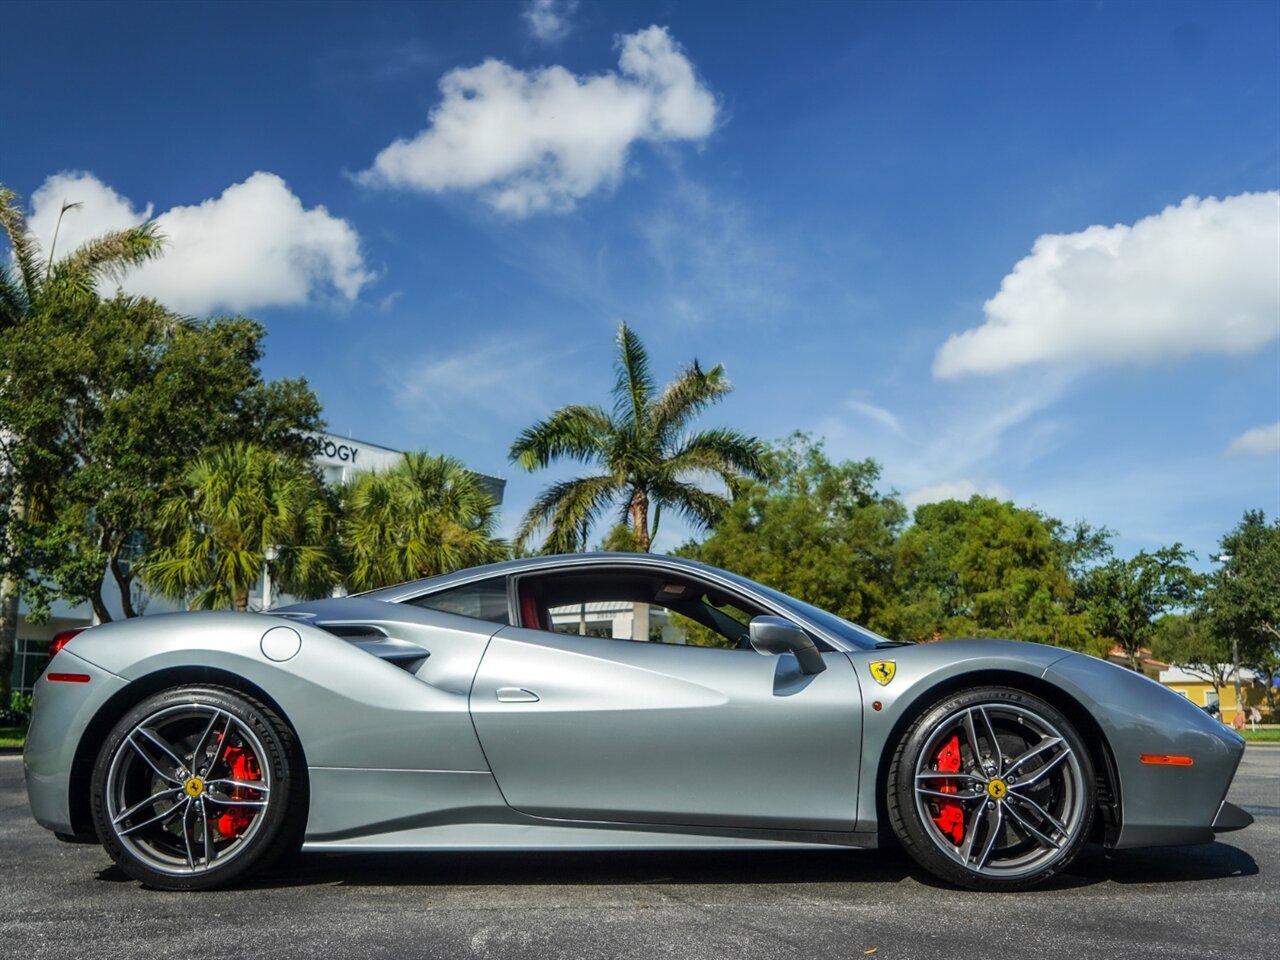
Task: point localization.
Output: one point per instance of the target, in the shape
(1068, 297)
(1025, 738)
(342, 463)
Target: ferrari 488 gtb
(602, 701)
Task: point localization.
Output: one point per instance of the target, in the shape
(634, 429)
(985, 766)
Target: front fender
(1161, 805)
(920, 670)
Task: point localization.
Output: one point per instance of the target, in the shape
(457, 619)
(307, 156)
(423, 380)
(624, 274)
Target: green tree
(140, 395)
(245, 509)
(1124, 597)
(646, 455)
(1242, 598)
(984, 567)
(425, 516)
(1189, 641)
(34, 286)
(816, 530)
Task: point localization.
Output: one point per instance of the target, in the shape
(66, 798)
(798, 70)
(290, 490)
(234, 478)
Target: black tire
(176, 819)
(1007, 818)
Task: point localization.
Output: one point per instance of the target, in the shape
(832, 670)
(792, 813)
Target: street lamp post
(271, 554)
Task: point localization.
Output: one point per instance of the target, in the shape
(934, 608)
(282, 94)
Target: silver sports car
(603, 701)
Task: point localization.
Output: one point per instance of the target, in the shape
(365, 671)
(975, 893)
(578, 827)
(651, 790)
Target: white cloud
(878, 415)
(500, 377)
(713, 259)
(254, 246)
(953, 490)
(548, 20)
(542, 140)
(1201, 277)
(1259, 441)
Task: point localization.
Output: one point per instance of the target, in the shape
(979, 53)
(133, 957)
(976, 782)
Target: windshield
(850, 632)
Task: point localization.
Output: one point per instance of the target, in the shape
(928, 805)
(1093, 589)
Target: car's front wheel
(197, 785)
(992, 789)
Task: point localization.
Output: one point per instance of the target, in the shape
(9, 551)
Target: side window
(482, 600)
(655, 608)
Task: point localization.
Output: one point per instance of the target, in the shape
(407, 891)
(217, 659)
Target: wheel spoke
(1048, 743)
(209, 852)
(968, 845)
(996, 755)
(186, 834)
(200, 753)
(143, 804)
(228, 802)
(971, 734)
(162, 818)
(993, 834)
(137, 748)
(164, 748)
(1030, 828)
(1040, 811)
(942, 794)
(256, 785)
(942, 775)
(1043, 771)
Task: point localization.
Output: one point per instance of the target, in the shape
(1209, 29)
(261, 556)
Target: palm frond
(427, 515)
(26, 249)
(13, 298)
(109, 256)
(568, 509)
(700, 507)
(687, 396)
(634, 383)
(727, 454)
(577, 432)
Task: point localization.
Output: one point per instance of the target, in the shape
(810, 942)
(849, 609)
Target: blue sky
(953, 237)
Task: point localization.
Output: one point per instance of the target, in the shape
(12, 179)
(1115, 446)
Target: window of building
(30, 657)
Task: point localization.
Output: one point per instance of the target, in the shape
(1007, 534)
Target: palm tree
(246, 510)
(426, 515)
(33, 285)
(645, 454)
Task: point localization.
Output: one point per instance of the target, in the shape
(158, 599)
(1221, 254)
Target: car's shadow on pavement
(621, 868)
(1210, 861)
(590, 868)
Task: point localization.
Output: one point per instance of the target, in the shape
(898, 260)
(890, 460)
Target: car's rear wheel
(992, 789)
(196, 786)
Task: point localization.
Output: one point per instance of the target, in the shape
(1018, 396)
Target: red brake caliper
(244, 768)
(950, 818)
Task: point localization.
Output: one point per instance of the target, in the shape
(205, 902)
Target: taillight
(62, 638)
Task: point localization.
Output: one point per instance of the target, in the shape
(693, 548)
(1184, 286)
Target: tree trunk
(640, 519)
(124, 583)
(1235, 665)
(9, 589)
(99, 606)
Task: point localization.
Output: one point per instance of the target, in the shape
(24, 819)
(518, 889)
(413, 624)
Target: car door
(594, 728)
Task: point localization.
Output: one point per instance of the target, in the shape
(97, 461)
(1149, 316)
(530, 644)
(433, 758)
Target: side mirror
(772, 636)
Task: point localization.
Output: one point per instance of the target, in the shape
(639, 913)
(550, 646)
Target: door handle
(516, 695)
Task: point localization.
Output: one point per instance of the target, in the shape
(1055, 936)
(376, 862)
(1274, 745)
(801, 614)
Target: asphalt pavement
(1219, 900)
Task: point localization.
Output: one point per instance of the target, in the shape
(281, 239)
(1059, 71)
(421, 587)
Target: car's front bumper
(1230, 817)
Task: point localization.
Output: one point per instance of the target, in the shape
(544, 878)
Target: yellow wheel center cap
(194, 787)
(996, 788)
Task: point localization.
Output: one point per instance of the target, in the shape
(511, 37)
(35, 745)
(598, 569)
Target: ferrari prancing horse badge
(882, 671)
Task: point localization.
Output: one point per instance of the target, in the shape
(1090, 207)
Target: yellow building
(1200, 691)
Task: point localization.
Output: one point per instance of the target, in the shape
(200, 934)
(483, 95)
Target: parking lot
(60, 900)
